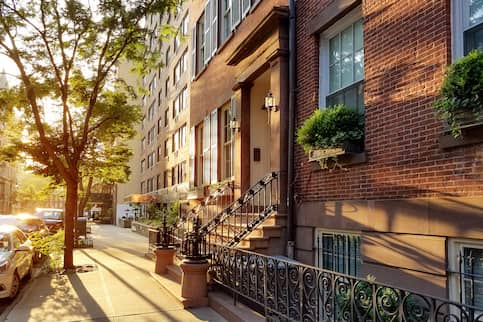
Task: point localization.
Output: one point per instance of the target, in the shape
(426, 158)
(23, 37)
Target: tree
(66, 54)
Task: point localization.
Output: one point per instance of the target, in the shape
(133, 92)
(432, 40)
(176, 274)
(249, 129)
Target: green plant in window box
(332, 131)
(461, 94)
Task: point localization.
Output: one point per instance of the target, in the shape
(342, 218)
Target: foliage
(462, 91)
(75, 112)
(331, 127)
(156, 215)
(51, 246)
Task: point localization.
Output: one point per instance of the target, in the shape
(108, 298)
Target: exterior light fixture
(234, 124)
(270, 105)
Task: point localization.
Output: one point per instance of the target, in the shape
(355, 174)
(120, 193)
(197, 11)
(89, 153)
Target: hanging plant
(333, 127)
(461, 94)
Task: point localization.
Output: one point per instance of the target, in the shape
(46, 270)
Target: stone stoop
(223, 305)
(268, 237)
(171, 282)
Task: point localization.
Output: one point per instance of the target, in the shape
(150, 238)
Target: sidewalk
(118, 289)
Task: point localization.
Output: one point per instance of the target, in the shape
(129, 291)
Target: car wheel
(15, 286)
(29, 272)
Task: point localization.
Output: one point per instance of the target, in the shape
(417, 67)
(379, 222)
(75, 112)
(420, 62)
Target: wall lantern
(270, 105)
(234, 124)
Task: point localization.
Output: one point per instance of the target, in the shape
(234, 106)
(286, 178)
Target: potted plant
(461, 95)
(332, 131)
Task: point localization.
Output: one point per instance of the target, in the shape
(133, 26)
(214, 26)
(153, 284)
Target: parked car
(25, 222)
(53, 218)
(28, 224)
(16, 260)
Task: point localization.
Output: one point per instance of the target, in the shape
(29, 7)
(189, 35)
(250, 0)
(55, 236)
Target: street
(116, 286)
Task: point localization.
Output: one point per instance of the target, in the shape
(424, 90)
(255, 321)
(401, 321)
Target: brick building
(409, 209)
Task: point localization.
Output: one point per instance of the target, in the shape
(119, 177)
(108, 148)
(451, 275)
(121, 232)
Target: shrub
(51, 246)
(462, 91)
(331, 127)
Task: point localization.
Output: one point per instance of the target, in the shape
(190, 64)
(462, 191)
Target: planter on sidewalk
(164, 257)
(194, 283)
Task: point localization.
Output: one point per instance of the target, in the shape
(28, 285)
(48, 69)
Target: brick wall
(407, 47)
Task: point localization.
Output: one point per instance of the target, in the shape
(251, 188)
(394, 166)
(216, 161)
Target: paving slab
(120, 288)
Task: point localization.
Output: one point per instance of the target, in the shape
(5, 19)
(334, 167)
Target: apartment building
(409, 209)
(7, 171)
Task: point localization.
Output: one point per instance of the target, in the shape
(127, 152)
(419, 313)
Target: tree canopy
(76, 113)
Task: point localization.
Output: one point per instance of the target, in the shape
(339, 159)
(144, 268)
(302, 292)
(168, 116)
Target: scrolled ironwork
(291, 291)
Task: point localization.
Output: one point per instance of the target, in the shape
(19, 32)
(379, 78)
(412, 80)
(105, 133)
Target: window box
(351, 154)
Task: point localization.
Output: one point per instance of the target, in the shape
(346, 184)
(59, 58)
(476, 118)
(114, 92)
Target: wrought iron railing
(291, 291)
(236, 221)
(216, 201)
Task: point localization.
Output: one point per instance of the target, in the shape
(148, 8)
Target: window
(175, 144)
(174, 175)
(166, 175)
(142, 187)
(151, 135)
(160, 125)
(158, 182)
(179, 103)
(166, 148)
(158, 153)
(467, 25)
(466, 269)
(342, 63)
(227, 143)
(166, 87)
(150, 185)
(143, 162)
(167, 56)
(200, 44)
(226, 19)
(338, 252)
(209, 148)
(143, 144)
(182, 136)
(151, 112)
(166, 117)
(182, 172)
(150, 160)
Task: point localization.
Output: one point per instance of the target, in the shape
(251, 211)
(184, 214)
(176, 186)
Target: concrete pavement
(119, 288)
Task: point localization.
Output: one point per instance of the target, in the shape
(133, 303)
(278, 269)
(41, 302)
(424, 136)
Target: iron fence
(291, 291)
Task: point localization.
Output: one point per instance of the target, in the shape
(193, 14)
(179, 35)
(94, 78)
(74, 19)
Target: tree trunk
(70, 214)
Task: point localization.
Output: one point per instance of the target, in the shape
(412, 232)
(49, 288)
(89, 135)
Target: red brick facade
(413, 198)
(407, 47)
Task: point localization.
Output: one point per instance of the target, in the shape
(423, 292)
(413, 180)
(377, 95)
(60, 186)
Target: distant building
(7, 171)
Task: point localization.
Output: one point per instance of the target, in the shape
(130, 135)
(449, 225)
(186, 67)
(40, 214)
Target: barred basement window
(339, 252)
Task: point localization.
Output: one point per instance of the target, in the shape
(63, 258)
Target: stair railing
(245, 214)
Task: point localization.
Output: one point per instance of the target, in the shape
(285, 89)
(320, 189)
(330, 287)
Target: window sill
(341, 160)
(470, 134)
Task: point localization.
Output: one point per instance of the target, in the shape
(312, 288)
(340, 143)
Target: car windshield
(52, 215)
(4, 243)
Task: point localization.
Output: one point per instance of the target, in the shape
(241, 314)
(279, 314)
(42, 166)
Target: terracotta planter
(194, 283)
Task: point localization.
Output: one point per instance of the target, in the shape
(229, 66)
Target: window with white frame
(342, 63)
(338, 251)
(467, 26)
(151, 112)
(465, 259)
(227, 115)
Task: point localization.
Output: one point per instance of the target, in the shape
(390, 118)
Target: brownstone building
(409, 209)
(239, 57)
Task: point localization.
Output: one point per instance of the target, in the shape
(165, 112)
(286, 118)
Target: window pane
(346, 42)
(359, 65)
(334, 77)
(346, 71)
(334, 50)
(358, 44)
(476, 12)
(474, 38)
(473, 272)
(350, 97)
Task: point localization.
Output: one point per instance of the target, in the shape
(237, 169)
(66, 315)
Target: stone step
(223, 304)
(175, 273)
(173, 287)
